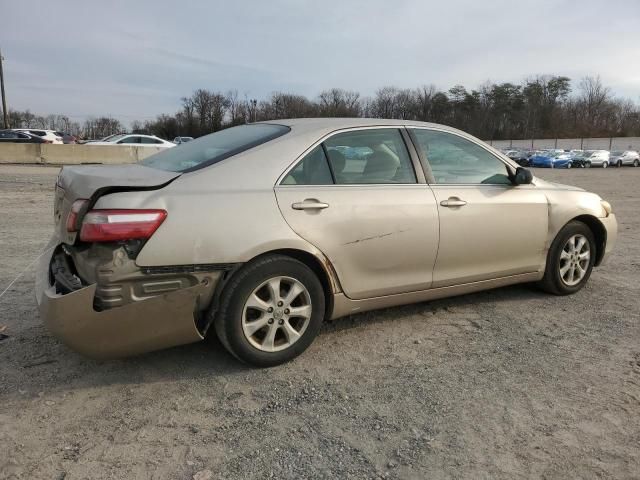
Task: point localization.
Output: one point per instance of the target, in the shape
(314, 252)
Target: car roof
(337, 123)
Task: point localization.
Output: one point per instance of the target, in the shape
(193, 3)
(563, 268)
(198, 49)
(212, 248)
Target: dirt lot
(511, 383)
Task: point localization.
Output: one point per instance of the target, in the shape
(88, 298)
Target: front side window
(215, 147)
(455, 160)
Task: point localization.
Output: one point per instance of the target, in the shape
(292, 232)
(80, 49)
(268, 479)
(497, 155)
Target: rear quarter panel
(220, 214)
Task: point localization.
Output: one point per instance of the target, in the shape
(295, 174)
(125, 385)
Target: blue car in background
(551, 160)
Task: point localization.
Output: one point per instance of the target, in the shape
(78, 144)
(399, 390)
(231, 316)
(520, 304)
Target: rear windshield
(215, 147)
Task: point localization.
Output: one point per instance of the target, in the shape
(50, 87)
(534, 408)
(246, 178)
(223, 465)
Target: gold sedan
(259, 232)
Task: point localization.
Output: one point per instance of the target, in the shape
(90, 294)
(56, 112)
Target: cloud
(137, 59)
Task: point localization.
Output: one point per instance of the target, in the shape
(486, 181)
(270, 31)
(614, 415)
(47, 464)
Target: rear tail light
(114, 225)
(76, 209)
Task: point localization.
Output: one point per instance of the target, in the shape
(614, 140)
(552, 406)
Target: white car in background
(597, 158)
(136, 140)
(48, 136)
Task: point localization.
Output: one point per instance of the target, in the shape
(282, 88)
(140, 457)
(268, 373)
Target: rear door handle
(309, 204)
(453, 202)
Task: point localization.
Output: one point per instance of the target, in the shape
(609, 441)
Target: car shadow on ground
(51, 366)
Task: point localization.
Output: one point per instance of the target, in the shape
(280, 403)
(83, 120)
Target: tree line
(544, 106)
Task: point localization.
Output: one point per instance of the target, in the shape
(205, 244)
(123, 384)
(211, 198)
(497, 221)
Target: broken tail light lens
(114, 225)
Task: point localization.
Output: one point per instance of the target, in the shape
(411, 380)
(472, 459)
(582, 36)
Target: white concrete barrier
(52, 154)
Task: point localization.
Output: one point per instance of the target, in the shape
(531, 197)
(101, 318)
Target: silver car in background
(260, 232)
(624, 158)
(597, 158)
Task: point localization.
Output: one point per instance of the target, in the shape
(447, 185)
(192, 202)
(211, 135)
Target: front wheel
(619, 164)
(569, 260)
(587, 164)
(270, 311)
(569, 165)
(636, 162)
(605, 164)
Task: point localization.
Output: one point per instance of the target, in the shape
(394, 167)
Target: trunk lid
(91, 181)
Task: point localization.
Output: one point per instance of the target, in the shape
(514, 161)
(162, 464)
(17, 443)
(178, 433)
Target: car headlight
(606, 207)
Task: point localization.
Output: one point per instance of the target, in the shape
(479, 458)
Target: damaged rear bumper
(151, 324)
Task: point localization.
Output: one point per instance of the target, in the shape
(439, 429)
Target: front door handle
(453, 202)
(309, 204)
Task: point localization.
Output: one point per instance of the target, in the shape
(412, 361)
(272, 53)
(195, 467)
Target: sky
(135, 59)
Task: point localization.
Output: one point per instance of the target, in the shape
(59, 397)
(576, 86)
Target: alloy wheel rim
(276, 314)
(574, 260)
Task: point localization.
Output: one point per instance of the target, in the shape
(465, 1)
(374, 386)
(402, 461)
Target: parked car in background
(179, 140)
(66, 137)
(628, 157)
(11, 136)
(249, 233)
(105, 139)
(578, 158)
(521, 157)
(135, 140)
(597, 158)
(556, 159)
(48, 135)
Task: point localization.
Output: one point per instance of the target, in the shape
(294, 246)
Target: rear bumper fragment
(159, 322)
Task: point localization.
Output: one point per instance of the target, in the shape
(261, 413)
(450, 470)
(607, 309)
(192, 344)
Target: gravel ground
(511, 383)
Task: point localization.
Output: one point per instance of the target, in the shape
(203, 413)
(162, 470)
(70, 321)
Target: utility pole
(4, 100)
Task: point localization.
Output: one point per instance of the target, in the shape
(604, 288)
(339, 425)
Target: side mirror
(523, 176)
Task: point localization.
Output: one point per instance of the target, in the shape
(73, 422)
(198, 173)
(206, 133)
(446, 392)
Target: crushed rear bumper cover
(163, 321)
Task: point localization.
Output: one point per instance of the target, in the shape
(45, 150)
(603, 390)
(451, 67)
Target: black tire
(605, 164)
(569, 165)
(552, 281)
(587, 164)
(636, 162)
(619, 164)
(228, 320)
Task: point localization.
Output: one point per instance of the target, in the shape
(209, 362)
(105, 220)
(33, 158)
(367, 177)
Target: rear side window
(149, 140)
(215, 147)
(129, 140)
(370, 156)
(360, 157)
(39, 133)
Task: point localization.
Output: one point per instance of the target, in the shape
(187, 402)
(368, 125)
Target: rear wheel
(619, 164)
(270, 311)
(570, 260)
(636, 162)
(569, 165)
(605, 164)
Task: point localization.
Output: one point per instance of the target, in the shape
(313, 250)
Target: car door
(365, 210)
(489, 228)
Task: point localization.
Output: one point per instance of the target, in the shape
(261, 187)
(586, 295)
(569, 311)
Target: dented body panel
(159, 321)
